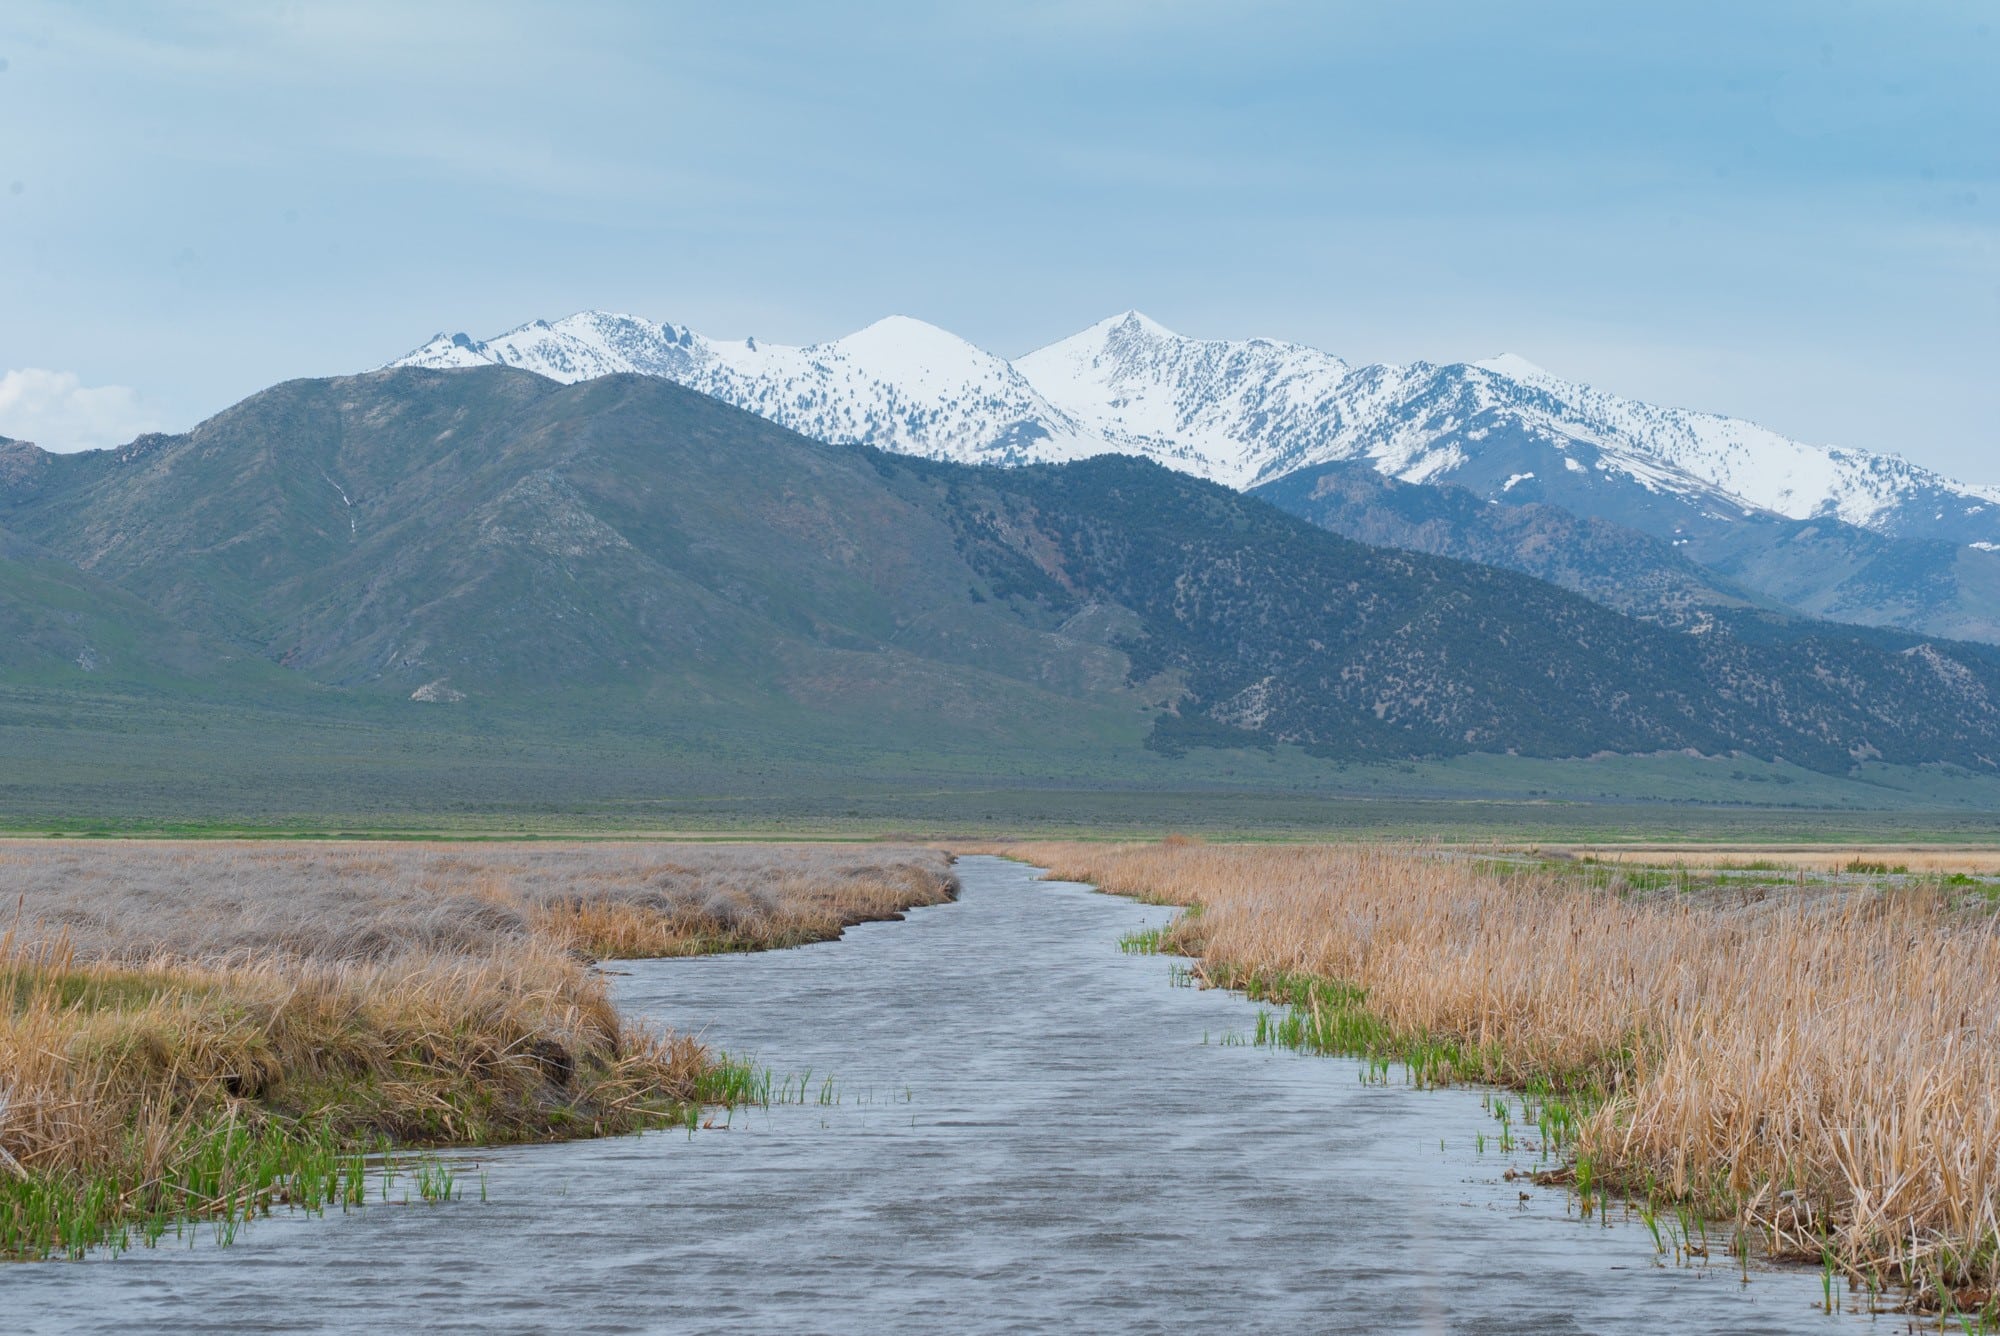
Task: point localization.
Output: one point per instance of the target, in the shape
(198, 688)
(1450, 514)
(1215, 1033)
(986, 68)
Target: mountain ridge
(1241, 412)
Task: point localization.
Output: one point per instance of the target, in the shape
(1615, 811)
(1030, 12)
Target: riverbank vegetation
(203, 1031)
(1819, 1061)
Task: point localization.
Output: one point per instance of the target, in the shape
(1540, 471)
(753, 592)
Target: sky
(1783, 211)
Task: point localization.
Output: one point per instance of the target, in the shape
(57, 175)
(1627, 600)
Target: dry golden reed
(1822, 1063)
(102, 1059)
(351, 993)
(357, 901)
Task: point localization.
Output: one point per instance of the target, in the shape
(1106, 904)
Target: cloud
(57, 411)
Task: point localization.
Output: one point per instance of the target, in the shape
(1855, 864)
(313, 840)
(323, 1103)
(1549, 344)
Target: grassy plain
(198, 1029)
(1819, 861)
(606, 762)
(1819, 1060)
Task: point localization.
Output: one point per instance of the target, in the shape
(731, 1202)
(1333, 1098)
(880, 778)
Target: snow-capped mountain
(1249, 412)
(899, 384)
(1503, 427)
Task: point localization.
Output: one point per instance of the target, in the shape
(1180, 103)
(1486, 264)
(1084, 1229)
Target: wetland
(1011, 1124)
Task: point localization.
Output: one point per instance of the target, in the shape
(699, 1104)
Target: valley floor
(85, 766)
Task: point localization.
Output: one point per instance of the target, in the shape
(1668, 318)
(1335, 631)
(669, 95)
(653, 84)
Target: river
(1027, 1130)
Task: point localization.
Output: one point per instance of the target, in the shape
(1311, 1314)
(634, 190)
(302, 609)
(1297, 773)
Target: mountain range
(622, 556)
(1811, 529)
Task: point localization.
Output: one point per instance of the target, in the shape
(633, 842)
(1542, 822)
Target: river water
(1030, 1131)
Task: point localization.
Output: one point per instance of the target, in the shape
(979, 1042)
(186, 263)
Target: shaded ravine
(1031, 1135)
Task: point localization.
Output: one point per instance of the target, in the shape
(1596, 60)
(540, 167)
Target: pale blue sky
(1789, 212)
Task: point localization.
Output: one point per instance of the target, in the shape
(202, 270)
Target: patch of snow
(1515, 368)
(351, 529)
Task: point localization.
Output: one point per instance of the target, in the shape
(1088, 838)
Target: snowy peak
(1514, 367)
(598, 343)
(1754, 464)
(1128, 327)
(912, 341)
(580, 347)
(900, 384)
(911, 353)
(448, 350)
(1132, 348)
(1207, 404)
(1246, 412)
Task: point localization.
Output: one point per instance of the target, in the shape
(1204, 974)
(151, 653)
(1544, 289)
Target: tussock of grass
(204, 1031)
(1822, 1064)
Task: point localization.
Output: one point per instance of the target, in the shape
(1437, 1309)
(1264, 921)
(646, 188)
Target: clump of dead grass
(1822, 1064)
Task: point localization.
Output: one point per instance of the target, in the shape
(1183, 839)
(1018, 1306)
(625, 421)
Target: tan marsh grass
(191, 1027)
(1824, 1066)
(133, 900)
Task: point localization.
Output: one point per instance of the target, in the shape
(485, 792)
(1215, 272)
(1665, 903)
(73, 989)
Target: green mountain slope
(393, 528)
(1818, 568)
(1294, 634)
(1618, 567)
(62, 627)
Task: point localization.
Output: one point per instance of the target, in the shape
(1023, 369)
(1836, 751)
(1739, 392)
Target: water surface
(1034, 1132)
